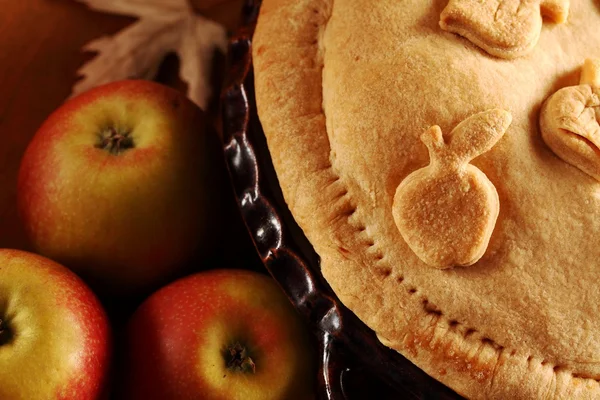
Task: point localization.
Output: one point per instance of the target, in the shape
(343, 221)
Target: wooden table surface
(40, 52)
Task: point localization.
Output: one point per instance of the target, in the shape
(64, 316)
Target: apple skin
(178, 341)
(60, 341)
(129, 220)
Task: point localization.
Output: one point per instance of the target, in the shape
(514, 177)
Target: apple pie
(443, 158)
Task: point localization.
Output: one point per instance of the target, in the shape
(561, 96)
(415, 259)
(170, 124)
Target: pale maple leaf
(163, 26)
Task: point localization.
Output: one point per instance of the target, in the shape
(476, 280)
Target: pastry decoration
(503, 28)
(569, 121)
(446, 212)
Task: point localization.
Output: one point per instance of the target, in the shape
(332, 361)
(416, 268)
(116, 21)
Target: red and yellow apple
(220, 334)
(118, 184)
(54, 335)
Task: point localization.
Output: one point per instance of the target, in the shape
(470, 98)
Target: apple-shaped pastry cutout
(569, 121)
(504, 28)
(446, 212)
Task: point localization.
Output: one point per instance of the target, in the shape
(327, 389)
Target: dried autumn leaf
(163, 26)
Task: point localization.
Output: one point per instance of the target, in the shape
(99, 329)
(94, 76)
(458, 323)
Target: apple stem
(114, 142)
(240, 361)
(4, 333)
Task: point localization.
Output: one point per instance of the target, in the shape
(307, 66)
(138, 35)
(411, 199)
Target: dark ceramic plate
(353, 364)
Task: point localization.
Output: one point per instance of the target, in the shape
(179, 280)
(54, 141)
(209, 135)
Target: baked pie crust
(443, 159)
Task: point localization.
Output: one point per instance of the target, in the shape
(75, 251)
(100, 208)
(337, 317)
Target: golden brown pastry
(446, 212)
(504, 28)
(345, 89)
(569, 121)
